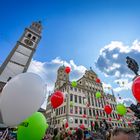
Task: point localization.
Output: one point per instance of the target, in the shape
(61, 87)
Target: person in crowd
(56, 135)
(79, 134)
(123, 134)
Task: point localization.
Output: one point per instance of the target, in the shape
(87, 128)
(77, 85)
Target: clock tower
(20, 57)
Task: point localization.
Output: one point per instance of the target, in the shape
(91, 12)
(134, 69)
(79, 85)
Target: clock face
(28, 42)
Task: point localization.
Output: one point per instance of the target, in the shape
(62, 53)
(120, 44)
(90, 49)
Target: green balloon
(73, 132)
(33, 128)
(73, 83)
(71, 104)
(98, 94)
(121, 109)
(47, 126)
(89, 129)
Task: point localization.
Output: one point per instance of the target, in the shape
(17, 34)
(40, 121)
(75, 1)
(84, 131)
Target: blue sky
(73, 30)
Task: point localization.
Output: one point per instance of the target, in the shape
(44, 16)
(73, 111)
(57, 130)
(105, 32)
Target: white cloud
(112, 59)
(127, 101)
(122, 84)
(107, 88)
(115, 56)
(48, 70)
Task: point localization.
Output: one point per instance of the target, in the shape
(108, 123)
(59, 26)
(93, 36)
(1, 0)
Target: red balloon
(69, 132)
(67, 70)
(93, 124)
(84, 116)
(98, 80)
(97, 117)
(88, 104)
(66, 125)
(118, 118)
(76, 128)
(119, 115)
(110, 119)
(82, 126)
(108, 109)
(136, 88)
(129, 123)
(57, 99)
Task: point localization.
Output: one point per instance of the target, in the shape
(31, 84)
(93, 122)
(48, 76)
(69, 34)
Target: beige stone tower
(20, 57)
(62, 77)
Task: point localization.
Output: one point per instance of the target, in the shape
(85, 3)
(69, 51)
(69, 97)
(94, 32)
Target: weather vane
(132, 65)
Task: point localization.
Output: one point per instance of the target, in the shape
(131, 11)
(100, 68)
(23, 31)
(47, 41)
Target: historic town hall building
(81, 113)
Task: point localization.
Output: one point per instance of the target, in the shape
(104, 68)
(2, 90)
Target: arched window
(34, 38)
(29, 35)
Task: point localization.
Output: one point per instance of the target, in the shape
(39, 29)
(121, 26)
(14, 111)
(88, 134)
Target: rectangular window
(93, 112)
(97, 112)
(80, 101)
(83, 100)
(75, 98)
(56, 111)
(85, 121)
(85, 111)
(92, 101)
(90, 112)
(80, 110)
(64, 109)
(59, 111)
(88, 99)
(76, 110)
(81, 121)
(71, 110)
(76, 120)
(71, 97)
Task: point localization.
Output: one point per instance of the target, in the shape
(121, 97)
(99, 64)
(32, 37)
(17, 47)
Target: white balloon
(71, 120)
(64, 121)
(21, 97)
(85, 101)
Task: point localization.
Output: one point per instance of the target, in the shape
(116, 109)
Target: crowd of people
(79, 134)
(105, 132)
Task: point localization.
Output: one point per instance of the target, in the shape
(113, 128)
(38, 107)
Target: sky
(78, 33)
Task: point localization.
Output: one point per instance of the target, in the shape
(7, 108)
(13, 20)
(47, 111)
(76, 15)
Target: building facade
(20, 57)
(80, 112)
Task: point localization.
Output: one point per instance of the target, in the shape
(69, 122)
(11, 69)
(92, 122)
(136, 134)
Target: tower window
(34, 38)
(29, 35)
